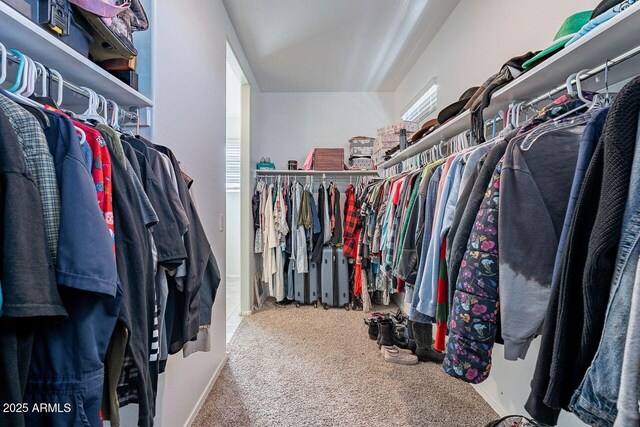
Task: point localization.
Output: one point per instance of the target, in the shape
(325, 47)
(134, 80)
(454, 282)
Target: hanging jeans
(595, 400)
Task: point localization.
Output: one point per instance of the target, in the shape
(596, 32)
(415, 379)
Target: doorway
(235, 138)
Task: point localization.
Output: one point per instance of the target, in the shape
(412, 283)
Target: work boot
(372, 325)
(385, 330)
(372, 328)
(398, 337)
(423, 336)
(411, 343)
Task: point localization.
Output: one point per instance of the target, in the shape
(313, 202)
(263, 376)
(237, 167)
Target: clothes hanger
(558, 122)
(103, 107)
(21, 85)
(92, 110)
(19, 73)
(580, 95)
(22, 76)
(32, 76)
(3, 63)
(115, 112)
(42, 71)
(44, 99)
(59, 98)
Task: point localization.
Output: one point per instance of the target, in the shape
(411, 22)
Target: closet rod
(560, 88)
(584, 76)
(77, 89)
(588, 74)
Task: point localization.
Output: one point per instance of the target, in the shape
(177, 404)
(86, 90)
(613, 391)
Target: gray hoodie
(534, 193)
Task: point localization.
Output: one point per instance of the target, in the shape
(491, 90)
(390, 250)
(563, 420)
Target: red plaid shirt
(350, 223)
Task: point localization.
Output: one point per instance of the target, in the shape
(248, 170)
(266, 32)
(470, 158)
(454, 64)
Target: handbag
(113, 23)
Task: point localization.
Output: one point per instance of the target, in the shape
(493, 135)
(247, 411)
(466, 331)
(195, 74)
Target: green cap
(569, 28)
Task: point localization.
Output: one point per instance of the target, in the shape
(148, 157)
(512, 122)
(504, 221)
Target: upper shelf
(18, 32)
(314, 172)
(605, 42)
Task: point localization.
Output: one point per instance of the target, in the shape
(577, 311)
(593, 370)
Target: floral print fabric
(474, 313)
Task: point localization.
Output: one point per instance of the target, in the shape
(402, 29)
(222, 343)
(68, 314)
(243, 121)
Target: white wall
(189, 74)
(480, 36)
(477, 38)
(291, 124)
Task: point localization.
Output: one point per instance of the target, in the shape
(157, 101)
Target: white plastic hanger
(92, 110)
(81, 134)
(33, 78)
(103, 107)
(59, 98)
(42, 70)
(3, 63)
(115, 113)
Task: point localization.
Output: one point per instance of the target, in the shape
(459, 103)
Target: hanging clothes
(29, 289)
(474, 311)
(351, 214)
(537, 181)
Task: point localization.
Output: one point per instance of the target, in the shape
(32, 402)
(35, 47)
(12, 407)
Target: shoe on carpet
(372, 324)
(372, 328)
(398, 338)
(384, 349)
(423, 336)
(399, 356)
(385, 331)
(411, 344)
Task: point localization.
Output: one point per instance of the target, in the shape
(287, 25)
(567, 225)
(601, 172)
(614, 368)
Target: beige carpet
(310, 367)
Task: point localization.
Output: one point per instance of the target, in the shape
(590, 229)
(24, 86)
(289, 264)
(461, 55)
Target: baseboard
(246, 313)
(203, 398)
(488, 397)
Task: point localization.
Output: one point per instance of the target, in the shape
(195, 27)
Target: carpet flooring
(312, 367)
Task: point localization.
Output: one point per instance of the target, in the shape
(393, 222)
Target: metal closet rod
(560, 88)
(77, 89)
(588, 74)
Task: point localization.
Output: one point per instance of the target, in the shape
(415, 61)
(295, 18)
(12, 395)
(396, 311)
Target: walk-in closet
(416, 213)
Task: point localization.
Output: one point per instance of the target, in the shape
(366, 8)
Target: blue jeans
(595, 400)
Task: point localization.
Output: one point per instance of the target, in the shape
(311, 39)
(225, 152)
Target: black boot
(372, 325)
(385, 330)
(398, 337)
(423, 336)
(411, 343)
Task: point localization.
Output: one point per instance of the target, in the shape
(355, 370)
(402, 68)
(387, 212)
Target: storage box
(396, 127)
(361, 163)
(328, 159)
(361, 146)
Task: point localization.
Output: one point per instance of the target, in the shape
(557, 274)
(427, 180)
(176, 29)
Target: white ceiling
(334, 45)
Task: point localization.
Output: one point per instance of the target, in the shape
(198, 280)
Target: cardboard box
(397, 127)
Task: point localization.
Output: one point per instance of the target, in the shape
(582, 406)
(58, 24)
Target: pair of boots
(420, 337)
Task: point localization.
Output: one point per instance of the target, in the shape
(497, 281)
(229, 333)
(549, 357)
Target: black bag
(113, 24)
